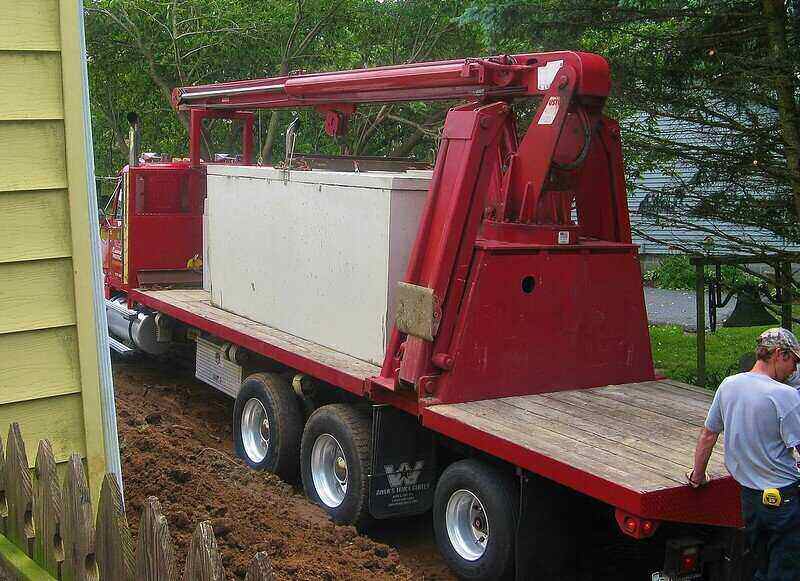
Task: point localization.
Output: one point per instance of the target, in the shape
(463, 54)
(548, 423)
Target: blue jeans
(773, 534)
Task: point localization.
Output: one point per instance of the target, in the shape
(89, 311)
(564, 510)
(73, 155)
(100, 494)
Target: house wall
(51, 352)
(671, 236)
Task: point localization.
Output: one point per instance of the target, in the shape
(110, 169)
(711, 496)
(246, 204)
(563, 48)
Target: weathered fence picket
(47, 529)
(155, 555)
(19, 492)
(116, 555)
(48, 546)
(79, 560)
(203, 560)
(260, 568)
(3, 490)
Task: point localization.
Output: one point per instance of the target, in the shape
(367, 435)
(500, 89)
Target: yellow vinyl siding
(31, 85)
(49, 360)
(33, 155)
(59, 419)
(30, 25)
(37, 364)
(36, 295)
(35, 225)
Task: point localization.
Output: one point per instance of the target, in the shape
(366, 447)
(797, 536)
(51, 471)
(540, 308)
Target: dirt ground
(176, 443)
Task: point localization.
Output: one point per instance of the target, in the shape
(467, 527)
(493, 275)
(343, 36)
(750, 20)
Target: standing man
(761, 420)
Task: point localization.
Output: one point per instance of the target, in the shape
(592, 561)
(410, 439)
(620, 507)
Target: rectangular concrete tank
(314, 253)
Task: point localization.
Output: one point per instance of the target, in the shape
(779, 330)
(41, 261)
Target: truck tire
(268, 424)
(474, 519)
(335, 463)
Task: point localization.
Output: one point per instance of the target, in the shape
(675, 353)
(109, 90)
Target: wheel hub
(255, 430)
(341, 470)
(467, 525)
(329, 470)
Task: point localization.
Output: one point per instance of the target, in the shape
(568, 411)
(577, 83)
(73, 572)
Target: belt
(789, 490)
(774, 497)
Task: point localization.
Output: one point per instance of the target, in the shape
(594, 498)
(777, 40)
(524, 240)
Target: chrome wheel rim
(255, 430)
(329, 470)
(467, 525)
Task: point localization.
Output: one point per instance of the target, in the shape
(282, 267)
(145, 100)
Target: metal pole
(135, 139)
(701, 324)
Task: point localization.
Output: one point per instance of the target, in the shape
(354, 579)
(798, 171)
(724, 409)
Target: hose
(587, 140)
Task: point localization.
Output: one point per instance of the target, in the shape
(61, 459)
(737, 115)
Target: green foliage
(675, 352)
(674, 272)
(677, 272)
(708, 63)
(139, 50)
(707, 95)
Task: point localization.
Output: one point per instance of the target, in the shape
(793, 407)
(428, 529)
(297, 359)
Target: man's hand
(697, 477)
(694, 481)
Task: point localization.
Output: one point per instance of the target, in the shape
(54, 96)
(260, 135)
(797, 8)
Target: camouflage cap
(780, 338)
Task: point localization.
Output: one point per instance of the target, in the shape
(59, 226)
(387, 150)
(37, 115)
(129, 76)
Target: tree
(723, 74)
(139, 50)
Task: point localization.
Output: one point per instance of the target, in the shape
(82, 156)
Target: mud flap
(546, 547)
(403, 476)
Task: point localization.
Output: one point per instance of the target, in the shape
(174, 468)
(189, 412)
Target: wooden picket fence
(48, 533)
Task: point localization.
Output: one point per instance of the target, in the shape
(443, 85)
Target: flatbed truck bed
(626, 445)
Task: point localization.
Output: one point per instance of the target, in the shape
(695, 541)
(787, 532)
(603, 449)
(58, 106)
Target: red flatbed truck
(517, 397)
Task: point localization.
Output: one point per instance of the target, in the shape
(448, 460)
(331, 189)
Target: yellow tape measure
(771, 497)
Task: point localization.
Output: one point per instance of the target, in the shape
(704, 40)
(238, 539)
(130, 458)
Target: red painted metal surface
(162, 227)
(536, 321)
(498, 77)
(492, 188)
(718, 503)
(601, 185)
(196, 118)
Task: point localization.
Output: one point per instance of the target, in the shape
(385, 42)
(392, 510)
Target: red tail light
(689, 560)
(683, 556)
(635, 526)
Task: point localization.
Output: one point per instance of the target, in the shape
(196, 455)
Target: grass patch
(675, 353)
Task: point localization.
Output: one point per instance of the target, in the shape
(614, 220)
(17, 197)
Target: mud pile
(176, 444)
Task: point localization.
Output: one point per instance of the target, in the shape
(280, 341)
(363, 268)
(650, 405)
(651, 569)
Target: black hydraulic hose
(587, 140)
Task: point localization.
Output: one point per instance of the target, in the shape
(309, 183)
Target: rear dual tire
(474, 519)
(267, 425)
(475, 504)
(335, 463)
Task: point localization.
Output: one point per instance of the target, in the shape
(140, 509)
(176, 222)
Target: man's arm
(702, 454)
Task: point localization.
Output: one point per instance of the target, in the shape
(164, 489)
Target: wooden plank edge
(31, 118)
(44, 327)
(22, 567)
(55, 393)
(35, 257)
(42, 190)
(688, 387)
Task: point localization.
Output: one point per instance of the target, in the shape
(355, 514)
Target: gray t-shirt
(761, 421)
